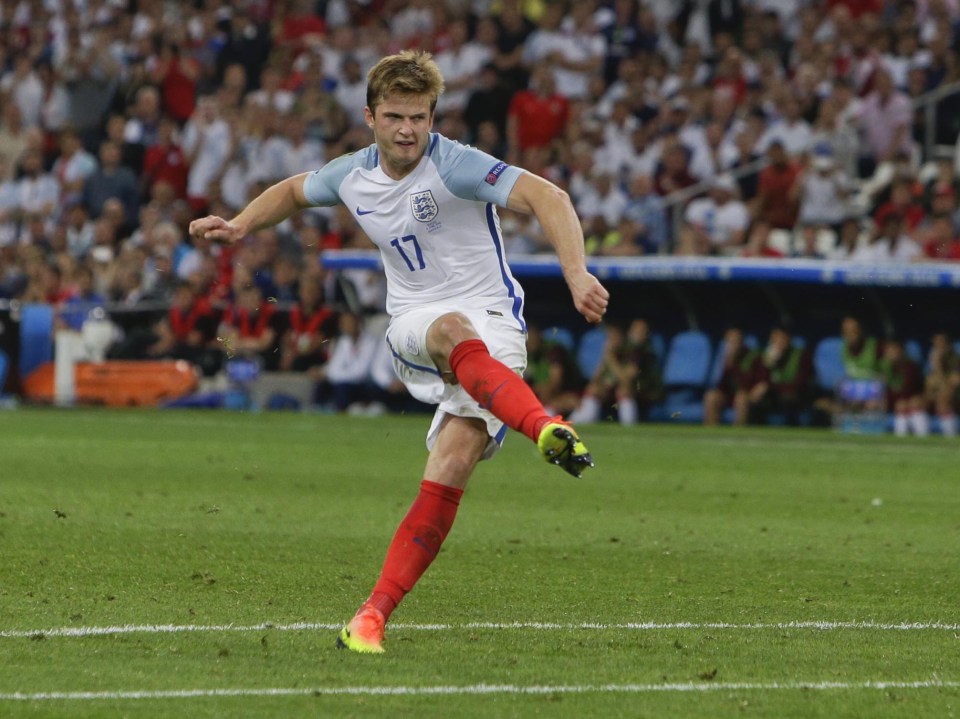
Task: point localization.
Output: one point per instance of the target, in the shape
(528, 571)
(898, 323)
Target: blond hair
(411, 72)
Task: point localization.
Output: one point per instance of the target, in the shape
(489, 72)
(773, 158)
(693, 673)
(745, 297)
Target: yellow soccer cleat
(364, 633)
(560, 445)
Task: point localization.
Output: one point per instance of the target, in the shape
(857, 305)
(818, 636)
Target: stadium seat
(4, 367)
(828, 362)
(685, 374)
(559, 335)
(590, 350)
(36, 337)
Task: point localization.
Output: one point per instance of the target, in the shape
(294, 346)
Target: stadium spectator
(941, 385)
(188, 332)
(249, 327)
(82, 298)
(131, 154)
(310, 327)
(537, 116)
(645, 210)
(715, 224)
(38, 192)
(72, 167)
(736, 379)
(111, 180)
(774, 202)
(13, 139)
(165, 162)
(885, 116)
(603, 200)
(903, 380)
(571, 45)
(627, 380)
(144, 121)
(791, 130)
(889, 243)
(90, 78)
(673, 169)
(901, 204)
(783, 381)
(461, 64)
(488, 103)
(345, 380)
(207, 142)
(22, 86)
(941, 242)
(821, 192)
(552, 372)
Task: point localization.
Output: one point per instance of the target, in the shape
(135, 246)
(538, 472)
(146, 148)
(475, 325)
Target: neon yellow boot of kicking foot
(560, 445)
(364, 633)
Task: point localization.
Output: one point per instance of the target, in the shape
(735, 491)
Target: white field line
(535, 626)
(482, 689)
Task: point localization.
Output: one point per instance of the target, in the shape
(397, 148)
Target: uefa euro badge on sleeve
(424, 206)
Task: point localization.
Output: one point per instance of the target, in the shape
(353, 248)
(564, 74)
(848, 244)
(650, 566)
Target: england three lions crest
(424, 206)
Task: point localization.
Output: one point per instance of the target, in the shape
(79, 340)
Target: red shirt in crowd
(166, 163)
(942, 250)
(773, 186)
(539, 120)
(911, 214)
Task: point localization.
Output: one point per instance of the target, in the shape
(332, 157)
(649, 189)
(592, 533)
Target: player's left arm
(556, 215)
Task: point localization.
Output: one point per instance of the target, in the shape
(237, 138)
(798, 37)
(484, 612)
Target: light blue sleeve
(322, 187)
(472, 174)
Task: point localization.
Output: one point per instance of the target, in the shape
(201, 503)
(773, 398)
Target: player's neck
(397, 172)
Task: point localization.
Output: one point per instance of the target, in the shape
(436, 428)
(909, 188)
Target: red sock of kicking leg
(497, 388)
(415, 545)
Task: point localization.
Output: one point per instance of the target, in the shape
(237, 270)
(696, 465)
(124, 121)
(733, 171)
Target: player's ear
(368, 116)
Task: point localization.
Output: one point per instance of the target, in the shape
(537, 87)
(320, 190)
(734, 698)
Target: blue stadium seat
(36, 337)
(559, 335)
(4, 367)
(686, 371)
(828, 362)
(688, 360)
(590, 350)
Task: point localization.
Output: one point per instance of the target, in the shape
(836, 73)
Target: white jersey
(437, 228)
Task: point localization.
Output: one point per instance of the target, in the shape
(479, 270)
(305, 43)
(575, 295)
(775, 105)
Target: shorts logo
(424, 206)
(413, 347)
(495, 173)
(494, 313)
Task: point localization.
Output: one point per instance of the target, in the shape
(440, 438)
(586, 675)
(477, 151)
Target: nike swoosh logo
(361, 213)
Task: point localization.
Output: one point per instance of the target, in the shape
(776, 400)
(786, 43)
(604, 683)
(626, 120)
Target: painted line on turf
(484, 689)
(536, 626)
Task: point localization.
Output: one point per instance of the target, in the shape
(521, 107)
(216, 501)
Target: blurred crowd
(755, 128)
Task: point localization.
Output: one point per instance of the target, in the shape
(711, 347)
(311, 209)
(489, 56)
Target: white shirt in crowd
(352, 359)
(212, 143)
(719, 222)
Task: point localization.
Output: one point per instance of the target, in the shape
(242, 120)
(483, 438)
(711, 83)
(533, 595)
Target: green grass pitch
(174, 564)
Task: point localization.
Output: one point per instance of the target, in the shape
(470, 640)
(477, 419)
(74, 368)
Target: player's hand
(215, 228)
(589, 296)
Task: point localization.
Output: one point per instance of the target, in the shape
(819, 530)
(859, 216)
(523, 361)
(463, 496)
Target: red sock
(416, 543)
(497, 388)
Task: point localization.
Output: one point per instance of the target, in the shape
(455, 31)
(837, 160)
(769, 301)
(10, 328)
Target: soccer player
(456, 332)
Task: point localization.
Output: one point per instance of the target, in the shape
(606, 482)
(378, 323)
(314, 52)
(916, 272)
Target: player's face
(401, 126)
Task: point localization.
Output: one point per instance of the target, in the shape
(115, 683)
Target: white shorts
(500, 330)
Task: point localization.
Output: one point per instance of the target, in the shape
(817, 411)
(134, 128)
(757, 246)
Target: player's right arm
(271, 207)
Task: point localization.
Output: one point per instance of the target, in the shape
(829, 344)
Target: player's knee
(447, 332)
